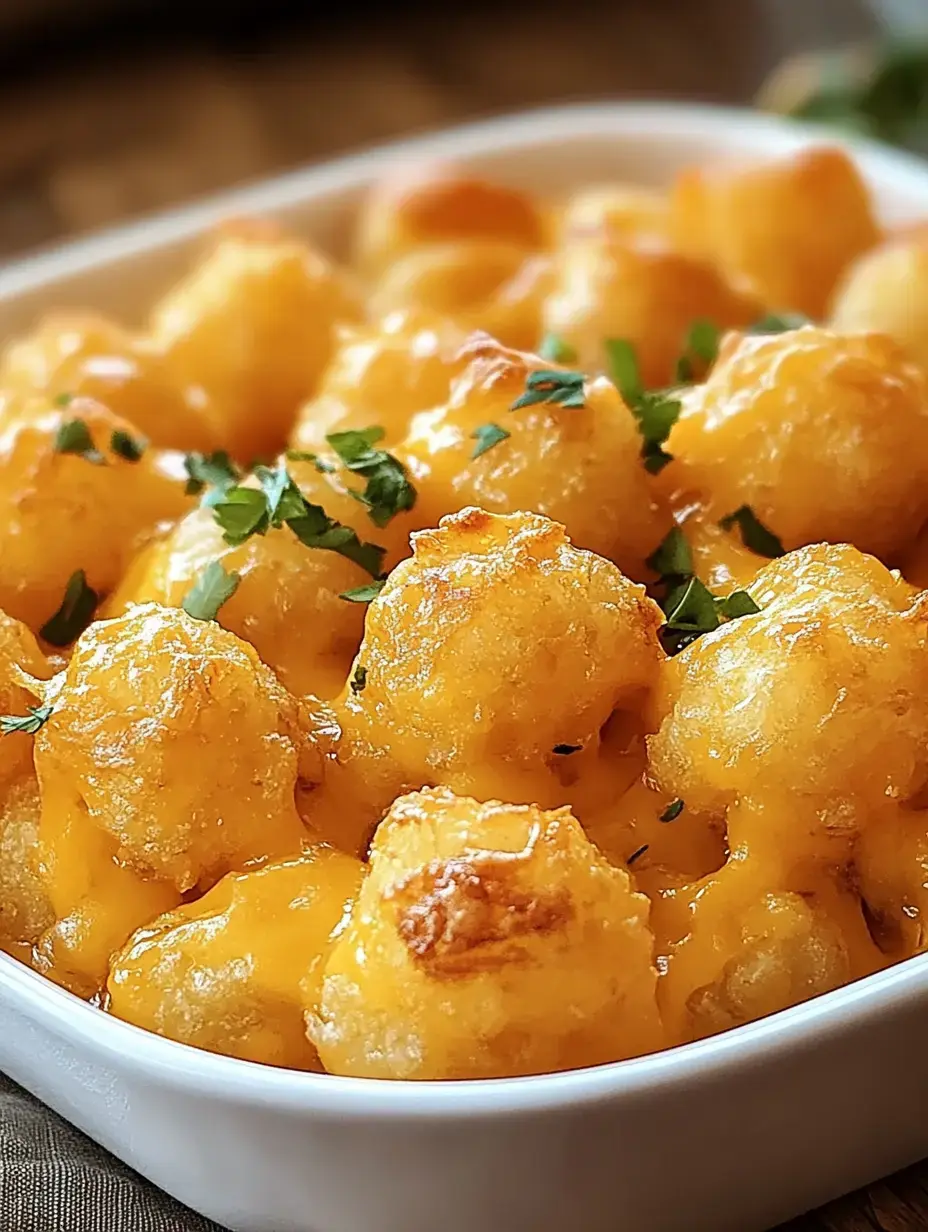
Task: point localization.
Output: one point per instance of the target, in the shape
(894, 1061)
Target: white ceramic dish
(729, 1135)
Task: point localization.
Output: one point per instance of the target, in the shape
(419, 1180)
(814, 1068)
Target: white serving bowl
(731, 1134)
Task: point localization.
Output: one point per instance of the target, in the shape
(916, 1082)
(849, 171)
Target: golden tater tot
(746, 952)
(472, 637)
(580, 465)
(617, 210)
(65, 511)
(288, 601)
(640, 290)
(254, 324)
(172, 756)
(487, 940)
(381, 375)
(19, 654)
(25, 909)
(823, 435)
(821, 698)
(891, 870)
(437, 204)
(886, 291)
(87, 356)
(790, 226)
(231, 973)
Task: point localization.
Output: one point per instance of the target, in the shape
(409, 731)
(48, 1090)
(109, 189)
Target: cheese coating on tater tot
(487, 940)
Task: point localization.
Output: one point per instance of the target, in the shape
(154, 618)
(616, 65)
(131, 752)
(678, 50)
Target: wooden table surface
(100, 124)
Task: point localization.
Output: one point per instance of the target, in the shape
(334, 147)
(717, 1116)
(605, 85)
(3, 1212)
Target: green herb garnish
(74, 614)
(210, 591)
(73, 436)
(486, 436)
(754, 534)
(673, 558)
(636, 855)
(28, 724)
(778, 323)
(62, 399)
(672, 811)
(210, 470)
(565, 750)
(738, 603)
(701, 344)
(359, 679)
(656, 411)
(304, 455)
(556, 350)
(553, 387)
(388, 491)
(364, 594)
(129, 447)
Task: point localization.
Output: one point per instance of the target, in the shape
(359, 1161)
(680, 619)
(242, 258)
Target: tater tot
(617, 210)
(84, 355)
(823, 435)
(472, 638)
(640, 290)
(288, 601)
(381, 374)
(65, 511)
(821, 697)
(436, 204)
(231, 972)
(20, 658)
(172, 756)
(254, 324)
(886, 290)
(487, 940)
(744, 951)
(790, 226)
(579, 465)
(25, 909)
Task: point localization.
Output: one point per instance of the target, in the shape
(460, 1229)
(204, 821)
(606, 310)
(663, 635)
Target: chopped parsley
(364, 594)
(656, 410)
(754, 534)
(245, 511)
(126, 446)
(210, 470)
(556, 350)
(636, 855)
(673, 810)
(564, 750)
(74, 614)
(778, 323)
(486, 436)
(388, 491)
(62, 399)
(73, 436)
(690, 608)
(304, 455)
(553, 387)
(359, 679)
(29, 723)
(210, 591)
(700, 350)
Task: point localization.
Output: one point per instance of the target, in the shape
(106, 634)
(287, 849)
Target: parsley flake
(673, 558)
(778, 323)
(129, 447)
(73, 436)
(210, 470)
(29, 723)
(359, 679)
(564, 750)
(364, 594)
(388, 491)
(486, 436)
(304, 455)
(552, 386)
(62, 399)
(211, 590)
(656, 411)
(702, 345)
(754, 534)
(636, 855)
(74, 614)
(673, 810)
(556, 350)
(738, 603)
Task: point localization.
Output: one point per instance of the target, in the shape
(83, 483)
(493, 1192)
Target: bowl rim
(802, 1027)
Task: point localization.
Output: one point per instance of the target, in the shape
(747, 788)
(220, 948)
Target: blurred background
(112, 108)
